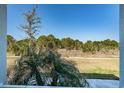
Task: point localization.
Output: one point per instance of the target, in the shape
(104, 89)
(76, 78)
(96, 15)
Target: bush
(46, 68)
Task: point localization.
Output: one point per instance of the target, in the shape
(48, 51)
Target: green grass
(101, 74)
(98, 68)
(102, 71)
(90, 68)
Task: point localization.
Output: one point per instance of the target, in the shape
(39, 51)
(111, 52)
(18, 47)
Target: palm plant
(60, 71)
(26, 67)
(45, 67)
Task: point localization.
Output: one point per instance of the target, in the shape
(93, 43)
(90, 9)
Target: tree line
(18, 47)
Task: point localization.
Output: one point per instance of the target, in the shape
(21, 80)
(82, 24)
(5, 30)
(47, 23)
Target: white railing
(3, 31)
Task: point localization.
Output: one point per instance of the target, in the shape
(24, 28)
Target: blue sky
(83, 22)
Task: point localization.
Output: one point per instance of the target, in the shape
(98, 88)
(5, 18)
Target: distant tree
(67, 43)
(97, 45)
(44, 40)
(10, 43)
(10, 40)
(55, 41)
(88, 46)
(77, 44)
(21, 46)
(114, 44)
(58, 43)
(110, 44)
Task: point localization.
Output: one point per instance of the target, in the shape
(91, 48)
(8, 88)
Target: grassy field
(104, 68)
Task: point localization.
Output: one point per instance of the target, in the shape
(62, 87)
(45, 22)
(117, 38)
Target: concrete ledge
(94, 83)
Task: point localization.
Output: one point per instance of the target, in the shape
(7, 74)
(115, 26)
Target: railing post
(121, 45)
(3, 31)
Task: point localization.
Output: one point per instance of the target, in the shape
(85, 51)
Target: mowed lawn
(102, 68)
